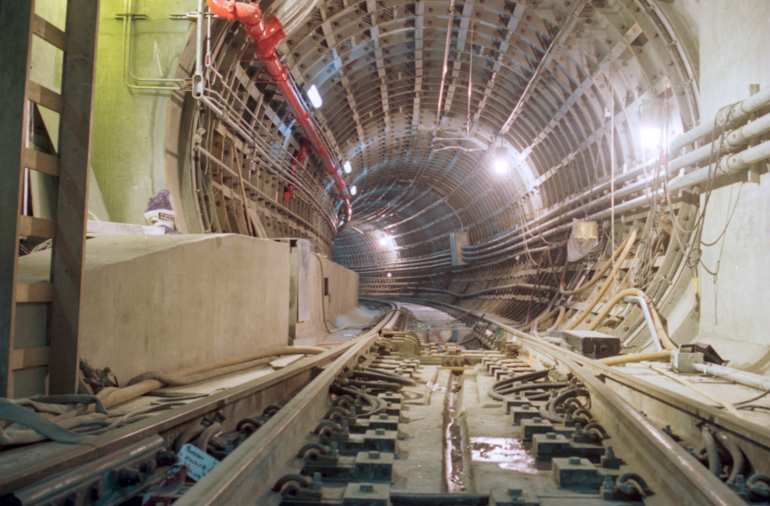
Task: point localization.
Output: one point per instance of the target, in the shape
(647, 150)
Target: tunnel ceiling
(558, 83)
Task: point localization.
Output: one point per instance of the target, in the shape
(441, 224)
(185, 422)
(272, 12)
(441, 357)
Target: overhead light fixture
(650, 138)
(652, 119)
(386, 241)
(347, 168)
(501, 160)
(353, 190)
(389, 275)
(315, 97)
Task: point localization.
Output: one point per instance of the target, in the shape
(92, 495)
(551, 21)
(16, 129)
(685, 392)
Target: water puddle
(508, 453)
(454, 465)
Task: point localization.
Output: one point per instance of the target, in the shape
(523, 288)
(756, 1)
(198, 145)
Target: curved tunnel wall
(560, 84)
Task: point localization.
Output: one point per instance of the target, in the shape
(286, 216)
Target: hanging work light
(651, 116)
(501, 164)
(315, 97)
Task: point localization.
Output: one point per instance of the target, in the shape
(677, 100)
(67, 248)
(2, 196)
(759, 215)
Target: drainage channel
(454, 451)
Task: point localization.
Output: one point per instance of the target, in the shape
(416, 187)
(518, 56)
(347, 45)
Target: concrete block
(366, 494)
(575, 472)
(535, 426)
(523, 413)
(512, 497)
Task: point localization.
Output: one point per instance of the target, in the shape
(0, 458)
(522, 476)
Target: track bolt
(366, 487)
(380, 432)
(574, 461)
(374, 455)
(128, 477)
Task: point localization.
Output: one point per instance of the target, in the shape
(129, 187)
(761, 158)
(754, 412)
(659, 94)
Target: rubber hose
(522, 377)
(653, 356)
(592, 304)
(559, 319)
(190, 433)
(598, 275)
(376, 385)
(715, 465)
(203, 440)
(386, 377)
(553, 416)
(533, 386)
(759, 484)
(735, 454)
(378, 406)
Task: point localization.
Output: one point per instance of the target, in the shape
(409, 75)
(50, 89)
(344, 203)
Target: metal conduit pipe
(741, 377)
(560, 210)
(648, 318)
(267, 33)
(741, 113)
(735, 163)
(622, 192)
(492, 289)
(741, 160)
(733, 140)
(729, 164)
(657, 330)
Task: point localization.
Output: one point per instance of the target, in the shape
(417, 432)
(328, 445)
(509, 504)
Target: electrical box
(591, 344)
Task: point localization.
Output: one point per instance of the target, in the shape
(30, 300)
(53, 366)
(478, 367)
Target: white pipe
(744, 159)
(197, 82)
(740, 114)
(742, 377)
(647, 317)
(734, 140)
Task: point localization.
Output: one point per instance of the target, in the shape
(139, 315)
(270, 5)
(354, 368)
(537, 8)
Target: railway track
(399, 415)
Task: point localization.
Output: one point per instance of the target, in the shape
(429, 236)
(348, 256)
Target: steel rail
(669, 466)
(247, 475)
(239, 400)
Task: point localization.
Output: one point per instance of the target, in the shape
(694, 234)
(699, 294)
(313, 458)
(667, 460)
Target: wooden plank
(45, 97)
(72, 201)
(40, 162)
(29, 357)
(36, 227)
(49, 33)
(16, 39)
(34, 292)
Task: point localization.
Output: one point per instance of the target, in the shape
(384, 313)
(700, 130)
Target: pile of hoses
(725, 459)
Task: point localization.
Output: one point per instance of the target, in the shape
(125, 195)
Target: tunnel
(384, 252)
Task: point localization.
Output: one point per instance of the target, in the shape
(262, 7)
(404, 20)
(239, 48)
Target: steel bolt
(128, 477)
(380, 432)
(550, 435)
(383, 416)
(574, 461)
(374, 455)
(366, 488)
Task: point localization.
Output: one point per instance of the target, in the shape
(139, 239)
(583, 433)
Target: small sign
(198, 462)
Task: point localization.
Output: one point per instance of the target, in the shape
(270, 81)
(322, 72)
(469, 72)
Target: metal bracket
(131, 16)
